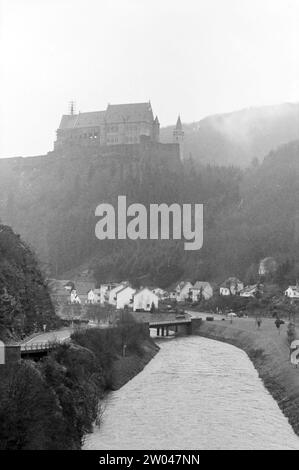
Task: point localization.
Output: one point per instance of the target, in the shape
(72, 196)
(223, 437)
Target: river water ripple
(195, 394)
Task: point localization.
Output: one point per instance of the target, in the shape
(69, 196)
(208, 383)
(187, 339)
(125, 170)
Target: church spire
(179, 126)
(156, 129)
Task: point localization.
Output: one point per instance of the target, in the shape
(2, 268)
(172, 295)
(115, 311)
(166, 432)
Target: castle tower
(156, 130)
(178, 137)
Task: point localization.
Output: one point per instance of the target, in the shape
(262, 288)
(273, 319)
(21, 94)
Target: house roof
(83, 287)
(294, 288)
(125, 288)
(143, 289)
(249, 288)
(117, 288)
(229, 281)
(182, 284)
(201, 284)
(132, 112)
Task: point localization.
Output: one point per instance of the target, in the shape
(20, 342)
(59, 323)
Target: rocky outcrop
(25, 303)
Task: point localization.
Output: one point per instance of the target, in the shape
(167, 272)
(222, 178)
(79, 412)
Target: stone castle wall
(145, 151)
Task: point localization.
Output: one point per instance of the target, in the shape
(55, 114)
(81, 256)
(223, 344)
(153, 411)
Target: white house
(112, 293)
(183, 291)
(75, 299)
(249, 291)
(224, 290)
(124, 297)
(232, 286)
(105, 290)
(79, 294)
(201, 289)
(144, 299)
(94, 296)
(292, 292)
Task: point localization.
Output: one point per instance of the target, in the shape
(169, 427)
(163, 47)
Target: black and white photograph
(149, 228)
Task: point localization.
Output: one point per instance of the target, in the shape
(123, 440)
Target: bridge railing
(46, 346)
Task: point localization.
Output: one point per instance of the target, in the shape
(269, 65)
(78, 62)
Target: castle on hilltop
(119, 124)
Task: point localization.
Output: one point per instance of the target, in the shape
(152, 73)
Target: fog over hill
(248, 214)
(239, 137)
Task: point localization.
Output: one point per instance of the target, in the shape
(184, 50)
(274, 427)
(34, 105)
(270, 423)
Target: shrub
(291, 332)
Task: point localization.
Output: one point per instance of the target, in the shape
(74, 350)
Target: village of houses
(71, 297)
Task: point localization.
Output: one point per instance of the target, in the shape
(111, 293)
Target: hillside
(248, 214)
(24, 300)
(51, 201)
(237, 138)
(266, 223)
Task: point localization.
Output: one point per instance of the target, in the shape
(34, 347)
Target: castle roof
(91, 119)
(132, 112)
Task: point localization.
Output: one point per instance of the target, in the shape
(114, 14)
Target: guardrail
(37, 347)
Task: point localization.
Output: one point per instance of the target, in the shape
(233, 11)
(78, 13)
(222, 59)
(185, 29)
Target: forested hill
(51, 202)
(266, 222)
(25, 304)
(239, 137)
(248, 214)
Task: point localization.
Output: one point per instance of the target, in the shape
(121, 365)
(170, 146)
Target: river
(195, 394)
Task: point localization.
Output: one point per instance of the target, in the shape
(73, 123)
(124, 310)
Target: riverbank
(62, 393)
(126, 368)
(269, 352)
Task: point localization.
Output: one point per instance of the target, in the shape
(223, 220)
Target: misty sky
(193, 57)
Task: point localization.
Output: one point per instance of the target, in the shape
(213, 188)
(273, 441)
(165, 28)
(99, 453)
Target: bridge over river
(43, 343)
(164, 322)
